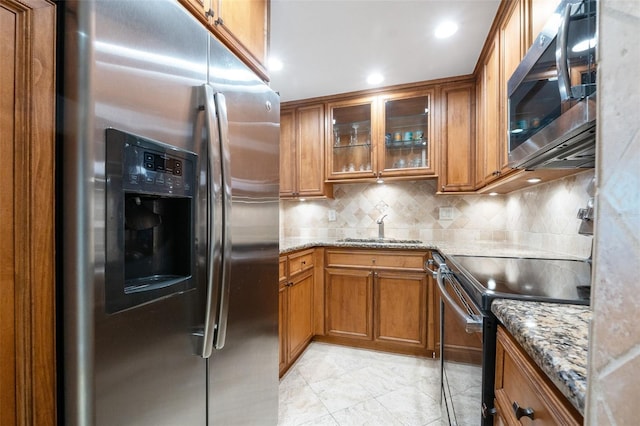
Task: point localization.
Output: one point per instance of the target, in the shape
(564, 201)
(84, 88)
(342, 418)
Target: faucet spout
(380, 223)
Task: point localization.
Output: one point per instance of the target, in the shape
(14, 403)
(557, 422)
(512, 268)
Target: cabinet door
(512, 48)
(310, 150)
(27, 201)
(348, 303)
(300, 313)
(245, 23)
(458, 137)
(199, 8)
(408, 134)
(288, 167)
(541, 11)
(400, 307)
(351, 143)
(490, 144)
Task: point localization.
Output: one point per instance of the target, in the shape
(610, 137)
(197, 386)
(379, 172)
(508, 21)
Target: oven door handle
(472, 323)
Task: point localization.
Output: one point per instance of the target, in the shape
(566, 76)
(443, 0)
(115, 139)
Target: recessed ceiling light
(446, 29)
(275, 64)
(493, 194)
(375, 78)
(534, 180)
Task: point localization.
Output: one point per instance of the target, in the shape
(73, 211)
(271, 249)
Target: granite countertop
(471, 248)
(556, 337)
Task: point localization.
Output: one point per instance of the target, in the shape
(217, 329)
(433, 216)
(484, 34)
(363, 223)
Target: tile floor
(341, 386)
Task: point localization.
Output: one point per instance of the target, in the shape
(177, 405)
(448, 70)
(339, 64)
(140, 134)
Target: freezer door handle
(223, 310)
(215, 220)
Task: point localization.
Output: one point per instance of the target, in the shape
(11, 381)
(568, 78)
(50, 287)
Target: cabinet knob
(304, 262)
(522, 412)
(219, 21)
(209, 13)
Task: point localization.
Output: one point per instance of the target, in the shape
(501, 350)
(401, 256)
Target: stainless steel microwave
(552, 93)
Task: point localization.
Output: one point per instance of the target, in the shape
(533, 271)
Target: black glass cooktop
(537, 279)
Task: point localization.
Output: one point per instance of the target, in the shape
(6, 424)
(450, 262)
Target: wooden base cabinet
(401, 307)
(296, 289)
(524, 394)
(348, 303)
(379, 300)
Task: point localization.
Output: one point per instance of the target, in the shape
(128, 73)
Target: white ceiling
(330, 46)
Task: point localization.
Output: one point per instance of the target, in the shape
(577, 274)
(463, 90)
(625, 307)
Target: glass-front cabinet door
(408, 135)
(351, 139)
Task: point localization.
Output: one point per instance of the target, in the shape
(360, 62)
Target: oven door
(461, 348)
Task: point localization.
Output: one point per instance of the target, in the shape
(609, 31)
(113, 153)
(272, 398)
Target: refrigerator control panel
(153, 167)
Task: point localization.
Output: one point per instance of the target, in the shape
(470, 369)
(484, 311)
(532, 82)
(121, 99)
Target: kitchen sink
(378, 241)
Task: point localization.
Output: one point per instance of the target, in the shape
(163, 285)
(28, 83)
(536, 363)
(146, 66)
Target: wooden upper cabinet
(353, 138)
(408, 134)
(288, 166)
(490, 146)
(513, 36)
(388, 135)
(540, 11)
(302, 152)
(242, 25)
(244, 22)
(457, 137)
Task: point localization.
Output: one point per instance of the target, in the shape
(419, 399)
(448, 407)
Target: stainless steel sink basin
(378, 241)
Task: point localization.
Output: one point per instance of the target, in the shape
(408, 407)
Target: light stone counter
(556, 337)
(471, 248)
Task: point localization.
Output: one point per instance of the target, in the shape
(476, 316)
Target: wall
(543, 216)
(614, 363)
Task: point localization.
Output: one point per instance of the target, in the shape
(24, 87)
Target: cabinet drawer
(377, 259)
(520, 383)
(301, 261)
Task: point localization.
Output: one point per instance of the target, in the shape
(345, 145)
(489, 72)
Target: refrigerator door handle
(223, 310)
(215, 221)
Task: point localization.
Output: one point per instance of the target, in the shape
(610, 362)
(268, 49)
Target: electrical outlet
(332, 216)
(445, 213)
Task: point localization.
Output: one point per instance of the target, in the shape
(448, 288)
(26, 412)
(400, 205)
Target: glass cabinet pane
(351, 139)
(406, 133)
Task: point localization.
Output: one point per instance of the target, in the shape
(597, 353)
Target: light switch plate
(332, 216)
(445, 213)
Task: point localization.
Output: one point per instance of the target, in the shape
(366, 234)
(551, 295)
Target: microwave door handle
(473, 323)
(564, 82)
(225, 154)
(214, 221)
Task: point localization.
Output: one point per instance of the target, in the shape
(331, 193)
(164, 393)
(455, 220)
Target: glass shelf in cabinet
(411, 143)
(368, 145)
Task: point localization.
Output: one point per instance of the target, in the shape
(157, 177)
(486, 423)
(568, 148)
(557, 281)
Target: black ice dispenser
(149, 221)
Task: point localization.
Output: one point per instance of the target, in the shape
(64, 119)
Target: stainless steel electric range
(467, 287)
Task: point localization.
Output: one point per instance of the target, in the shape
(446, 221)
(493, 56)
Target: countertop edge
(560, 352)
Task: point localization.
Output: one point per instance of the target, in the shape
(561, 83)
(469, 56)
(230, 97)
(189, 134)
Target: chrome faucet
(380, 223)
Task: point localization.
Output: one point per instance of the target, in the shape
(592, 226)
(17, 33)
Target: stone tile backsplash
(543, 216)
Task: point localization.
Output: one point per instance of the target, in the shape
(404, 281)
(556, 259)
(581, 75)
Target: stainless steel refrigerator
(169, 149)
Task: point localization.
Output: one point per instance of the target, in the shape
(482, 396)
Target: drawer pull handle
(522, 412)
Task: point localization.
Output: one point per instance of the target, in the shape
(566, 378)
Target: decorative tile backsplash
(542, 216)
